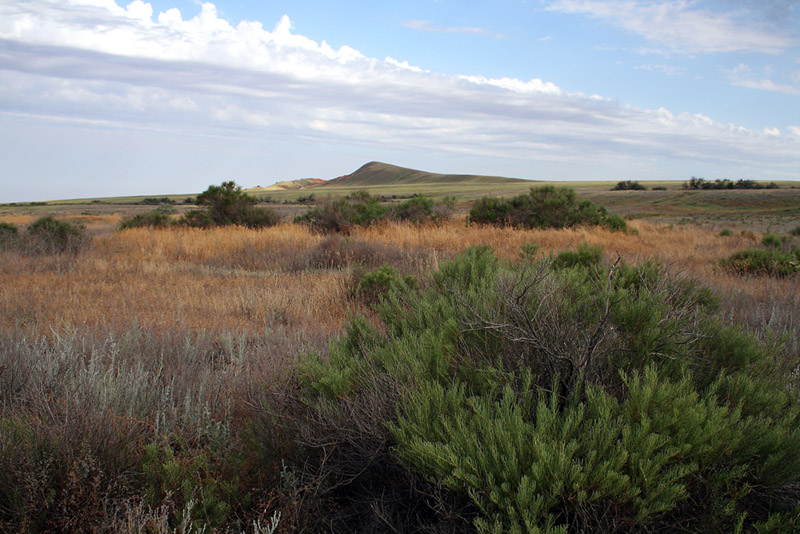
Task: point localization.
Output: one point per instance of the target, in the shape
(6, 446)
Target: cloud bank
(96, 64)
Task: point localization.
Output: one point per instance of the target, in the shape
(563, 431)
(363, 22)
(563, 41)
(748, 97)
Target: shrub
(659, 188)
(726, 232)
(795, 231)
(773, 241)
(763, 262)
(629, 185)
(9, 235)
(417, 209)
(228, 204)
(196, 219)
(154, 219)
(550, 398)
(585, 256)
(421, 209)
(544, 207)
(340, 215)
(374, 284)
(50, 236)
(702, 183)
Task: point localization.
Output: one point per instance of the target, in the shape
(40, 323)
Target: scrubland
(156, 381)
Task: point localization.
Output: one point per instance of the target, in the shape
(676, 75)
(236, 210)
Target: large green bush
(227, 204)
(555, 396)
(543, 207)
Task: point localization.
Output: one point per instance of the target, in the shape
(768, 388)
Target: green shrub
(374, 284)
(585, 256)
(795, 231)
(227, 204)
(153, 219)
(9, 235)
(629, 185)
(773, 241)
(761, 262)
(50, 236)
(196, 219)
(341, 215)
(192, 481)
(543, 207)
(421, 209)
(552, 399)
(726, 232)
(417, 209)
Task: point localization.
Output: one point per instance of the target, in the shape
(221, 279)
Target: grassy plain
(178, 335)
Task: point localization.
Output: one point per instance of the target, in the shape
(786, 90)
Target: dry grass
(149, 333)
(238, 279)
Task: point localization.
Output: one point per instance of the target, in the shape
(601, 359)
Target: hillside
(302, 183)
(377, 174)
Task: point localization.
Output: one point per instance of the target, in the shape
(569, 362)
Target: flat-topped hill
(377, 174)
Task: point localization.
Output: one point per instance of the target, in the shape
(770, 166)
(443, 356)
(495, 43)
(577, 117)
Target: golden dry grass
(239, 279)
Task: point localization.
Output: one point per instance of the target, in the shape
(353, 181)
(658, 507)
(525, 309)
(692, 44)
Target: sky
(102, 98)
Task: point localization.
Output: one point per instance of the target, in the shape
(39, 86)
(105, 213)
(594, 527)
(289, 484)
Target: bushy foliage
(629, 185)
(341, 215)
(9, 235)
(154, 219)
(763, 262)
(227, 204)
(48, 235)
(543, 207)
(422, 209)
(374, 284)
(560, 396)
(702, 183)
(770, 240)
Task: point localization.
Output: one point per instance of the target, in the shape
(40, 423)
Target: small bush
(341, 215)
(795, 231)
(196, 219)
(726, 232)
(629, 185)
(659, 188)
(763, 262)
(544, 207)
(585, 256)
(9, 235)
(773, 241)
(51, 236)
(153, 219)
(374, 284)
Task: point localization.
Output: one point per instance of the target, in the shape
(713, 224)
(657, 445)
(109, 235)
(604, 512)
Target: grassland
(141, 375)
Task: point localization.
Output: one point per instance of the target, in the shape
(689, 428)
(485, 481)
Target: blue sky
(104, 98)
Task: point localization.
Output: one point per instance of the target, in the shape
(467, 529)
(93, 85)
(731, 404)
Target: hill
(377, 174)
(302, 183)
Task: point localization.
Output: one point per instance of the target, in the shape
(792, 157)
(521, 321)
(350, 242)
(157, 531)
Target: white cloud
(767, 85)
(428, 26)
(98, 65)
(795, 130)
(669, 70)
(682, 27)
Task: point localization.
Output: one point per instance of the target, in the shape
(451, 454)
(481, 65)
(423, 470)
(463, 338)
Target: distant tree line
(702, 183)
